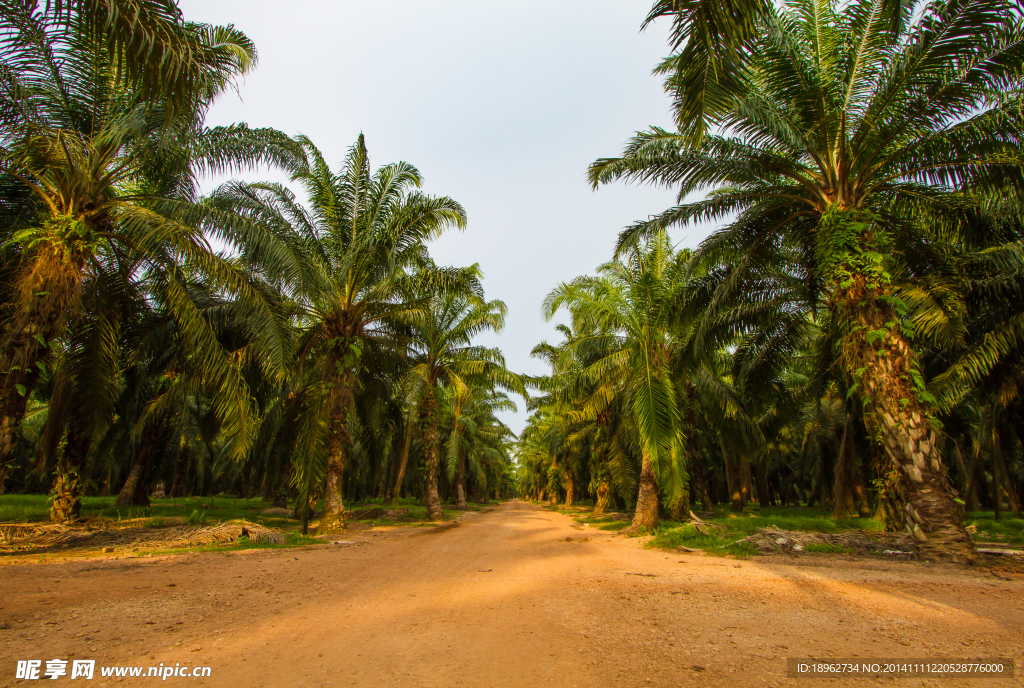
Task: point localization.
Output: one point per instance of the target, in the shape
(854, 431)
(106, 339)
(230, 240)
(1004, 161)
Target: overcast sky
(501, 106)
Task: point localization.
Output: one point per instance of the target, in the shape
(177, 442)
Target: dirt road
(502, 599)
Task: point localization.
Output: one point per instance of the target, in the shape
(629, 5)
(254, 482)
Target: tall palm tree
(629, 307)
(361, 240)
(103, 177)
(861, 139)
(441, 342)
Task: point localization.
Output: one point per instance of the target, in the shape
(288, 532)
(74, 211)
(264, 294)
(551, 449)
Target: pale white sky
(502, 106)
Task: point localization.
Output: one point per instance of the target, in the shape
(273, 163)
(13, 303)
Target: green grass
(200, 510)
(826, 548)
(733, 526)
(29, 508)
(1008, 530)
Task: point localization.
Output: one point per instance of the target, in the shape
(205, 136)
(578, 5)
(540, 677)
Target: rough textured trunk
(460, 480)
(433, 455)
(129, 494)
(333, 518)
(45, 289)
(68, 486)
(646, 516)
(570, 488)
(881, 358)
(680, 509)
(604, 494)
(66, 495)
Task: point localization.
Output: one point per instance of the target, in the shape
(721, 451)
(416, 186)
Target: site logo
(55, 668)
(32, 670)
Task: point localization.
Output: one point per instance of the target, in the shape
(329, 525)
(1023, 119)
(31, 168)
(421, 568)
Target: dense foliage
(849, 324)
(849, 336)
(287, 364)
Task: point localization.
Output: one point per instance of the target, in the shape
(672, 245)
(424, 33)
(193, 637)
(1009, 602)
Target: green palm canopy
(860, 137)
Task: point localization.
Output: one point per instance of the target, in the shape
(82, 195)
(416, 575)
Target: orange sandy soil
(503, 599)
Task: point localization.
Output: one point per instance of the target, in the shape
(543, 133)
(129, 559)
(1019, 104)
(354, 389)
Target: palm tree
(629, 307)
(576, 432)
(477, 440)
(861, 140)
(103, 180)
(441, 341)
(361, 241)
(158, 53)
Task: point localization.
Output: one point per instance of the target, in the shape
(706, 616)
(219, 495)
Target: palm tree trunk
(646, 516)
(178, 484)
(733, 482)
(44, 292)
(460, 488)
(127, 495)
(700, 484)
(432, 450)
(604, 493)
(886, 367)
(746, 484)
(333, 518)
(406, 443)
(68, 486)
(570, 488)
(845, 474)
(133, 492)
(20, 366)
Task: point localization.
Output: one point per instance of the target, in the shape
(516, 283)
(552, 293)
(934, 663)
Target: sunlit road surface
(516, 596)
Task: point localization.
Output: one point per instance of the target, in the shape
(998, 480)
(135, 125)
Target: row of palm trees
(860, 300)
(320, 337)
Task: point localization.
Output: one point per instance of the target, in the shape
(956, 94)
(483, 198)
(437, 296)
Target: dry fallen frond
(37, 538)
(771, 539)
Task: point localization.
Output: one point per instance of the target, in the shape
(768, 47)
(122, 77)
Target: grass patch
(613, 525)
(729, 527)
(1008, 530)
(826, 548)
(35, 508)
(207, 510)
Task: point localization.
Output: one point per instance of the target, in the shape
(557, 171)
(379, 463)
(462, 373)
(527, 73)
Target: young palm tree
(441, 340)
(632, 301)
(860, 139)
(361, 240)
